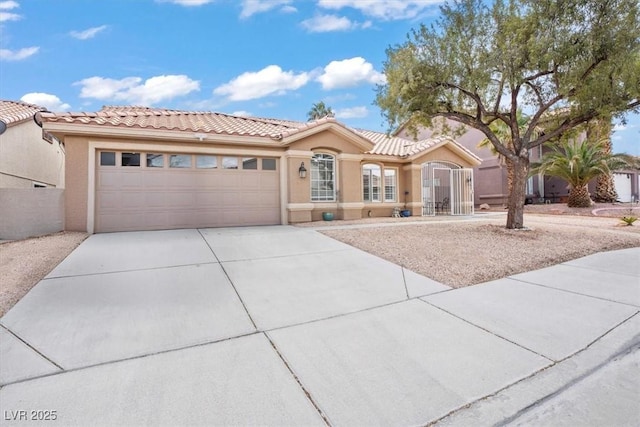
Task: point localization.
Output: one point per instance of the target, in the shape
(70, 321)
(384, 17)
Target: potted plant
(327, 216)
(405, 212)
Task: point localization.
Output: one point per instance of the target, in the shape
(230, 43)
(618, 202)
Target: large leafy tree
(562, 62)
(578, 163)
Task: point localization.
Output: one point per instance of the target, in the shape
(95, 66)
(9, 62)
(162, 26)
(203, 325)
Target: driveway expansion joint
(126, 359)
(322, 414)
(286, 256)
(488, 331)
(16, 336)
(600, 270)
(102, 273)
(224, 270)
(574, 292)
(506, 421)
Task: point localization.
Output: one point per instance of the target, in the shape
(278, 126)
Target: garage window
(130, 159)
(155, 160)
(206, 162)
(107, 158)
(250, 163)
(229, 163)
(180, 161)
(268, 164)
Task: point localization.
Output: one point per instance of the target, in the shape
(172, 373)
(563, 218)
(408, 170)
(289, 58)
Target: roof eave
(358, 140)
(101, 131)
(470, 158)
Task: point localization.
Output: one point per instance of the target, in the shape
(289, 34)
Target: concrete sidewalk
(285, 326)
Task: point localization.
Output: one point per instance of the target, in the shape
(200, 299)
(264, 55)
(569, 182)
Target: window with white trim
(390, 185)
(323, 178)
(371, 177)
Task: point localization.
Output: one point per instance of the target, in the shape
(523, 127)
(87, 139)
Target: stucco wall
(296, 191)
(25, 157)
(76, 179)
(27, 212)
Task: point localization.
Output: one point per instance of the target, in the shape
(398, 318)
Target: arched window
(323, 178)
(371, 183)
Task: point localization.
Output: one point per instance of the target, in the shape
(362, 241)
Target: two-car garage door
(155, 191)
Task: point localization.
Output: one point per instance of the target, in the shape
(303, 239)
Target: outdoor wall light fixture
(302, 171)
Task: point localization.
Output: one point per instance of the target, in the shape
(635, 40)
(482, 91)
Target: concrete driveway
(285, 326)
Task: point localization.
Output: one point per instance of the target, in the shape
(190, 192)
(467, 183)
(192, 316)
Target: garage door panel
(208, 199)
(108, 179)
(132, 198)
(155, 199)
(131, 180)
(154, 179)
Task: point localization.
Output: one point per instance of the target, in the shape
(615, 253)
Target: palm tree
(578, 163)
(319, 111)
(600, 130)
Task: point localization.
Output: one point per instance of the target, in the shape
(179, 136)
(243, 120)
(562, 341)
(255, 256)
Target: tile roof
(220, 123)
(156, 118)
(17, 111)
(396, 146)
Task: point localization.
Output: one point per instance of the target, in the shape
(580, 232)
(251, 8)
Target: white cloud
(8, 5)
(7, 16)
(349, 72)
(87, 34)
(288, 9)
(133, 90)
(18, 55)
(241, 113)
(188, 3)
(251, 7)
(619, 127)
(383, 9)
(327, 23)
(270, 80)
(46, 100)
(352, 113)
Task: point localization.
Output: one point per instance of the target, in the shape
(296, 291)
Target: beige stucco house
(137, 168)
(28, 156)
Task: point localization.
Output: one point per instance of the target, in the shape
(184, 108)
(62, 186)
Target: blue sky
(264, 58)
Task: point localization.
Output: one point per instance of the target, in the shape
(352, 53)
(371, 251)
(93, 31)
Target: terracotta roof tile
(154, 118)
(17, 111)
(219, 123)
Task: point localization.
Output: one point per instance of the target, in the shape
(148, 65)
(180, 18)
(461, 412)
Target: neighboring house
(29, 157)
(137, 168)
(627, 184)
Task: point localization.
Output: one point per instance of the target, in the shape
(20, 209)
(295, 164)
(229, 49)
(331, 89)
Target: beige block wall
(25, 157)
(29, 212)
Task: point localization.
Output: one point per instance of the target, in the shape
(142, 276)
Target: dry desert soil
(456, 252)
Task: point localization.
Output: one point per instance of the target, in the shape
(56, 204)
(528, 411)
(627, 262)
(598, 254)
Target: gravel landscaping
(462, 253)
(23, 263)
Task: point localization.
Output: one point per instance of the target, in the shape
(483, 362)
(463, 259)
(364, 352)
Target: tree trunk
(605, 189)
(600, 131)
(579, 197)
(515, 214)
